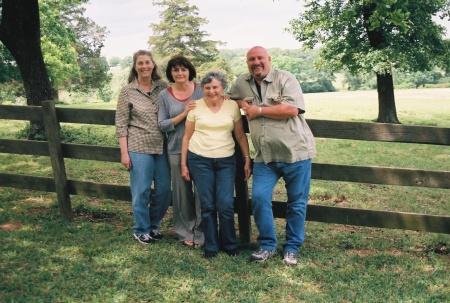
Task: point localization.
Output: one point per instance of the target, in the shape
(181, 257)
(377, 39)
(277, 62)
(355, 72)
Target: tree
(179, 33)
(20, 33)
(71, 44)
(376, 36)
(114, 61)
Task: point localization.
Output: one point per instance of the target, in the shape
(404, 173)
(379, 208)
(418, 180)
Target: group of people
(178, 143)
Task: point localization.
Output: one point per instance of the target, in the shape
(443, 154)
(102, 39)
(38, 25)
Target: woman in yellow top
(207, 156)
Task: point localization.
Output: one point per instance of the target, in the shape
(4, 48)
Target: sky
(238, 23)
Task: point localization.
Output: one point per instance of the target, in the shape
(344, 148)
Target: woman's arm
(189, 130)
(241, 138)
(124, 156)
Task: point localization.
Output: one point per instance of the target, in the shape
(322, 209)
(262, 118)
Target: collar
(269, 78)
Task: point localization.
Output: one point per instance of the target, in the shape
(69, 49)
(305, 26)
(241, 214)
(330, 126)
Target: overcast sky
(239, 23)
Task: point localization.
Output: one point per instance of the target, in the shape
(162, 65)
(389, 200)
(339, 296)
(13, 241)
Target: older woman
(207, 155)
(142, 146)
(174, 104)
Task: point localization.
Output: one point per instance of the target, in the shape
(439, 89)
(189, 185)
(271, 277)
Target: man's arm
(276, 112)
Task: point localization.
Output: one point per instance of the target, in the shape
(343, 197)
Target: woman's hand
(126, 161)
(190, 106)
(185, 173)
(247, 169)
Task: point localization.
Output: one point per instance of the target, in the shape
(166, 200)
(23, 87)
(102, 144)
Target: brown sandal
(198, 246)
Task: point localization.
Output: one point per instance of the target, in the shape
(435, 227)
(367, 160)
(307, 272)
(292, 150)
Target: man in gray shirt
(273, 102)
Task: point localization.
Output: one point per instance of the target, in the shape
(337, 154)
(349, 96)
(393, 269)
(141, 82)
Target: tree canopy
(180, 33)
(376, 36)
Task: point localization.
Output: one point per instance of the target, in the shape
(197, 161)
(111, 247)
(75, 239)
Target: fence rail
(57, 151)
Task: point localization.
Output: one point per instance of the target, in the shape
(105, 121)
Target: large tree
(180, 32)
(376, 36)
(20, 33)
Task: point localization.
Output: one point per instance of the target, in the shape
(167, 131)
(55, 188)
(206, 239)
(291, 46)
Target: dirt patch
(11, 226)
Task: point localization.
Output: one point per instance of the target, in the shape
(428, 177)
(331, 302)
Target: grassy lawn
(94, 259)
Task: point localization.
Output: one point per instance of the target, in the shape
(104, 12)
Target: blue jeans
(214, 181)
(149, 206)
(297, 177)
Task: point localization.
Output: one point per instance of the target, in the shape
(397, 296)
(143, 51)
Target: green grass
(94, 259)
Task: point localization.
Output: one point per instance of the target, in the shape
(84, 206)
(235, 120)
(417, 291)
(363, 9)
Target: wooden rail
(57, 151)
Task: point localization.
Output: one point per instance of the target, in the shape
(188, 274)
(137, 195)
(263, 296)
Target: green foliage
(71, 45)
(10, 91)
(114, 61)
(179, 33)
(94, 74)
(127, 62)
(8, 68)
(105, 93)
(57, 43)
(91, 135)
(375, 35)
(220, 64)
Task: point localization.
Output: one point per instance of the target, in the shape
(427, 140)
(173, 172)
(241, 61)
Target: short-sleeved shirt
(212, 137)
(137, 118)
(288, 140)
(170, 107)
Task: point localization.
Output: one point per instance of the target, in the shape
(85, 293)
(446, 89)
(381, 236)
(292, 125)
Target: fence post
(242, 205)
(55, 150)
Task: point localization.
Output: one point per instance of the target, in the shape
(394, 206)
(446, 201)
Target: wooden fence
(57, 151)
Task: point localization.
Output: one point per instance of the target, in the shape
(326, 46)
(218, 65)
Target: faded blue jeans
(214, 181)
(297, 178)
(149, 208)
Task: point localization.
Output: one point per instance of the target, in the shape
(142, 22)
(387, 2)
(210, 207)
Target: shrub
(91, 135)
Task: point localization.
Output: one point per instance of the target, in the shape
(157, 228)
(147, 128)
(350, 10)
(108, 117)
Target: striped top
(137, 118)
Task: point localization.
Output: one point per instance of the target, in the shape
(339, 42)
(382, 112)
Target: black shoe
(144, 239)
(232, 252)
(156, 235)
(208, 254)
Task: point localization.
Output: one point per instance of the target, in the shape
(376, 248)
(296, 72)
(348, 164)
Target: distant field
(429, 106)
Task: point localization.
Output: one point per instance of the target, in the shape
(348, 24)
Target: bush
(91, 135)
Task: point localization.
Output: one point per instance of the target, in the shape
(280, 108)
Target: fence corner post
(242, 205)
(55, 150)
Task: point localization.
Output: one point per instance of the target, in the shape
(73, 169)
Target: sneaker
(156, 235)
(144, 239)
(262, 255)
(289, 258)
(208, 254)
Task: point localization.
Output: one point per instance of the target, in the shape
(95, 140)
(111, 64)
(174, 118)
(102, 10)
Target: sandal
(198, 246)
(188, 243)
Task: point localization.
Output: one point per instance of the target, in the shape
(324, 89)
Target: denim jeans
(149, 206)
(214, 181)
(297, 178)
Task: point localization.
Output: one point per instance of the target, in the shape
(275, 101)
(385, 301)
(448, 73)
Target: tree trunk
(387, 113)
(20, 33)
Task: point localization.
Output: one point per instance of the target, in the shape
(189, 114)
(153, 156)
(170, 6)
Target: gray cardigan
(170, 107)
